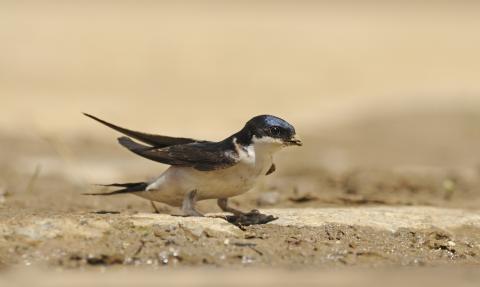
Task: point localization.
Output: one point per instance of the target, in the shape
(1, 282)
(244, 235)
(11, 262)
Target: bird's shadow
(105, 212)
(253, 217)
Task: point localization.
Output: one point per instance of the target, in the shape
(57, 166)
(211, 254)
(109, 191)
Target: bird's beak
(295, 141)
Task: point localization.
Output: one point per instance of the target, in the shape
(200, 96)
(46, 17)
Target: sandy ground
(327, 238)
(384, 95)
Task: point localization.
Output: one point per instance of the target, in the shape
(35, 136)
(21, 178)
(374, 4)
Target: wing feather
(204, 156)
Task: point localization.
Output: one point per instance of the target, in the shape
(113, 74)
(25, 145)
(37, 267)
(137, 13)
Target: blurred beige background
(201, 68)
(389, 83)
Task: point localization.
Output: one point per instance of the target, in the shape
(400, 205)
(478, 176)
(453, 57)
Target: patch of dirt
(175, 244)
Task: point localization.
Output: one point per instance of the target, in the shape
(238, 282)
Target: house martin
(208, 170)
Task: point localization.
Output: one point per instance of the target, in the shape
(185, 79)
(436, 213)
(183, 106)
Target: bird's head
(270, 130)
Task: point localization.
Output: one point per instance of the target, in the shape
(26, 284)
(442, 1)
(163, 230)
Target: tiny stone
(249, 235)
(247, 259)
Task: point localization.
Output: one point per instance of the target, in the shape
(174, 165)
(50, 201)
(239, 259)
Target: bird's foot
(250, 218)
(188, 204)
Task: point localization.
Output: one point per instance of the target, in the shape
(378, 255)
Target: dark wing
(204, 156)
(157, 141)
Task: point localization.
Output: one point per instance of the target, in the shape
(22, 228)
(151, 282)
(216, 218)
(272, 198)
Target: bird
(201, 169)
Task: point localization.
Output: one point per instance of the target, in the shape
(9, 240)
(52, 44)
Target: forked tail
(127, 188)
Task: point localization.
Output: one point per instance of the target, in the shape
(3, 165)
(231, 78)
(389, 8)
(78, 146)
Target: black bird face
(271, 129)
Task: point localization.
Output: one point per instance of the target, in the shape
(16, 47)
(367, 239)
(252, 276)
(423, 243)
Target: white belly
(172, 186)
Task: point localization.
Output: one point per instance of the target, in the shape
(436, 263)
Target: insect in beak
(295, 141)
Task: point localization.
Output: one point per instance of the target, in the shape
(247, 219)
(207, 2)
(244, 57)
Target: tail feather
(127, 184)
(158, 141)
(128, 188)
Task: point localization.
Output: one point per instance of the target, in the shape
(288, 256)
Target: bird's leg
(188, 205)
(155, 208)
(223, 204)
(241, 218)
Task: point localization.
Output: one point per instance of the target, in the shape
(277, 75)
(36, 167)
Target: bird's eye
(275, 131)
